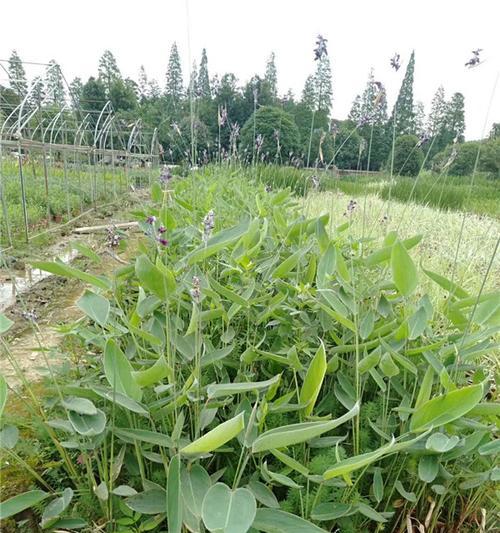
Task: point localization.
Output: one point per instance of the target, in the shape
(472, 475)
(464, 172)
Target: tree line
(215, 117)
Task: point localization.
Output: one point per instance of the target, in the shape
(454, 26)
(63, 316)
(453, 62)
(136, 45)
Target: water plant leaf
(384, 254)
(218, 242)
(120, 399)
(441, 443)
(174, 495)
(370, 513)
(5, 323)
(9, 435)
(263, 494)
(88, 425)
(3, 394)
(228, 389)
(313, 380)
(490, 448)
(346, 466)
(118, 371)
(428, 468)
(446, 284)
(284, 436)
(277, 521)
(278, 478)
(82, 406)
(195, 483)
(153, 374)
(151, 277)
(94, 306)
(445, 408)
(60, 269)
(216, 437)
(332, 511)
(143, 435)
(151, 501)
(404, 272)
(228, 511)
(21, 502)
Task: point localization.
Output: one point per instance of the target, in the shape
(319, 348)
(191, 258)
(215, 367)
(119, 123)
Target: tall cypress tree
(108, 70)
(271, 75)
(193, 89)
(309, 96)
(143, 84)
(437, 115)
(54, 83)
(174, 87)
(455, 118)
(323, 81)
(203, 78)
(419, 112)
(17, 75)
(355, 112)
(75, 92)
(403, 114)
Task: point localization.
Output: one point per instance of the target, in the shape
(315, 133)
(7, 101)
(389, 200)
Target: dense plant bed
(250, 370)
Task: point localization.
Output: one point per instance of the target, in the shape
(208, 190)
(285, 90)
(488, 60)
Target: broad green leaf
(370, 513)
(263, 494)
(124, 490)
(153, 374)
(369, 361)
(446, 284)
(410, 496)
(417, 323)
(143, 435)
(5, 323)
(404, 273)
(490, 448)
(3, 394)
(174, 496)
(120, 399)
(277, 521)
(378, 485)
(217, 437)
(102, 492)
(80, 405)
(9, 435)
(279, 478)
(428, 468)
(118, 371)
(152, 501)
(218, 242)
(313, 380)
(284, 436)
(347, 466)
(21, 502)
(388, 366)
(228, 389)
(440, 443)
(94, 306)
(445, 408)
(340, 265)
(326, 266)
(291, 462)
(425, 387)
(151, 277)
(228, 511)
(384, 254)
(325, 512)
(227, 293)
(195, 483)
(366, 325)
(88, 425)
(86, 251)
(284, 268)
(61, 269)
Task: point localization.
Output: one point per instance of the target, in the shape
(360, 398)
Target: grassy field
(263, 353)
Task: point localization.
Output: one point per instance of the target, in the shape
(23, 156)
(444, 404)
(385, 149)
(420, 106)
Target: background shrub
(408, 157)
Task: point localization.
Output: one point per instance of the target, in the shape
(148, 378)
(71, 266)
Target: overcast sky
(240, 34)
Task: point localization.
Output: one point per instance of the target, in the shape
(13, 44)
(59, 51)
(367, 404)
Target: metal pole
(23, 193)
(4, 203)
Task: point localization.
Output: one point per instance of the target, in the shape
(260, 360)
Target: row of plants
(249, 370)
(67, 196)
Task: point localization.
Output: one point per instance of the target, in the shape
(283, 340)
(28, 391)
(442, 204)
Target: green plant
(224, 364)
(408, 156)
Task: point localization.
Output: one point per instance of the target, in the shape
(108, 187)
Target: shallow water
(18, 284)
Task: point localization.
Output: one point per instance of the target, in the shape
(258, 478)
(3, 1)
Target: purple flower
(162, 229)
(196, 289)
(320, 49)
(151, 219)
(396, 62)
(208, 224)
(475, 59)
(165, 176)
(162, 241)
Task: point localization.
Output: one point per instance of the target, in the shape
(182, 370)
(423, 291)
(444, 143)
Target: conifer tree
(419, 112)
(17, 75)
(436, 120)
(271, 75)
(174, 88)
(193, 89)
(455, 118)
(143, 84)
(309, 96)
(108, 70)
(203, 78)
(54, 83)
(403, 114)
(323, 81)
(75, 92)
(355, 112)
